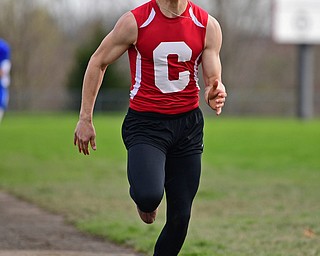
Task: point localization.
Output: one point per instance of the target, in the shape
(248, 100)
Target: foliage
(40, 55)
(52, 42)
(82, 55)
(116, 80)
(259, 192)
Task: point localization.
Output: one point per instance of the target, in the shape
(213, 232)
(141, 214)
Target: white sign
(296, 21)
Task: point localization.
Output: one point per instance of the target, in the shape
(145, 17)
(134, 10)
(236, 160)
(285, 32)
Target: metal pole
(305, 81)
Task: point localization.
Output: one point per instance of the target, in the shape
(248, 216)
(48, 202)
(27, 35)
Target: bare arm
(215, 92)
(111, 48)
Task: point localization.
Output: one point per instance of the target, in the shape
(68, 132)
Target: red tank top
(164, 62)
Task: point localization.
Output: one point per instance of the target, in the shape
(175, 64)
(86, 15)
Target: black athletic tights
(150, 172)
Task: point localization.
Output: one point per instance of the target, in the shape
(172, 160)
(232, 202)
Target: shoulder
(126, 22)
(143, 12)
(4, 44)
(126, 28)
(213, 25)
(4, 50)
(198, 14)
(144, 7)
(198, 10)
(214, 33)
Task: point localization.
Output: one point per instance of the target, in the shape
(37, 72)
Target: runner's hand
(216, 96)
(83, 135)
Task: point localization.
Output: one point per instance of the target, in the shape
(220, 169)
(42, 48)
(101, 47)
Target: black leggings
(150, 172)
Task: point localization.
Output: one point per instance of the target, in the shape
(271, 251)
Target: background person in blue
(5, 66)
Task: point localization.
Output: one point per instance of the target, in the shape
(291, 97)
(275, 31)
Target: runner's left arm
(215, 91)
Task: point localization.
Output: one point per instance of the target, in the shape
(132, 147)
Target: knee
(148, 201)
(180, 220)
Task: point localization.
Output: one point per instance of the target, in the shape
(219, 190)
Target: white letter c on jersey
(161, 68)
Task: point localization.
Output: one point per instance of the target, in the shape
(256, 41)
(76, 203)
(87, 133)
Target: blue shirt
(4, 50)
(5, 64)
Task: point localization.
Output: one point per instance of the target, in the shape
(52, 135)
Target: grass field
(259, 193)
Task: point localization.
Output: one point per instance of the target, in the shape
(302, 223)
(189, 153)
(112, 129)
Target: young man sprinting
(166, 41)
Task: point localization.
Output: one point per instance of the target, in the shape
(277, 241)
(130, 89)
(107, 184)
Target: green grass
(259, 189)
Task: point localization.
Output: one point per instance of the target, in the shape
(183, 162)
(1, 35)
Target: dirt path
(26, 230)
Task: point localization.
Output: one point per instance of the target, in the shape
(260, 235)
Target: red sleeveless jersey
(164, 62)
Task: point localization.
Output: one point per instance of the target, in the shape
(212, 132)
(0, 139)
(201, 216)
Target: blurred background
(52, 42)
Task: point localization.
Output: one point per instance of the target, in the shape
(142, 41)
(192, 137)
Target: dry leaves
(309, 233)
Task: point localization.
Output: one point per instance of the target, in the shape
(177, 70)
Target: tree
(114, 78)
(39, 55)
(259, 74)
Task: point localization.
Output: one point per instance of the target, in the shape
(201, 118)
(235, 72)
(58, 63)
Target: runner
(5, 66)
(166, 41)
